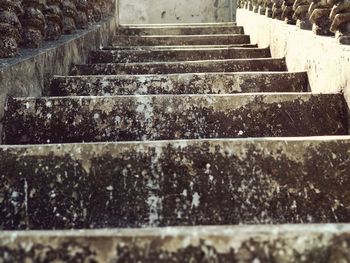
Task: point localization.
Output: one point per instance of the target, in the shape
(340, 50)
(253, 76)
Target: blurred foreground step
(180, 30)
(226, 244)
(159, 40)
(200, 83)
(124, 56)
(172, 183)
(159, 117)
(199, 66)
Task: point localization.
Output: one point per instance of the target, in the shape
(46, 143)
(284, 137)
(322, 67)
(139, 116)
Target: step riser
(103, 56)
(184, 30)
(181, 67)
(179, 84)
(127, 118)
(178, 47)
(287, 244)
(181, 40)
(175, 183)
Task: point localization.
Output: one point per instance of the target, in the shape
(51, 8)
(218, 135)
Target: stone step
(163, 40)
(226, 244)
(126, 56)
(215, 24)
(202, 66)
(172, 183)
(201, 83)
(116, 47)
(180, 30)
(161, 117)
(281, 243)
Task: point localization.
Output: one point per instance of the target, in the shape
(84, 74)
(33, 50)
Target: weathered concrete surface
(202, 66)
(125, 56)
(240, 244)
(118, 47)
(200, 83)
(169, 11)
(159, 40)
(326, 62)
(128, 118)
(201, 182)
(213, 24)
(180, 30)
(29, 74)
(237, 244)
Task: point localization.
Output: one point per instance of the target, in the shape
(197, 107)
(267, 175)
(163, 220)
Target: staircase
(177, 143)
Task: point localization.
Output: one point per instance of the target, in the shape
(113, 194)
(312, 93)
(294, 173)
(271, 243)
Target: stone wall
(326, 61)
(29, 72)
(28, 23)
(326, 18)
(170, 11)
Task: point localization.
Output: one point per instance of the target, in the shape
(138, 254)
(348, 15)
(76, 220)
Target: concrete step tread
(129, 56)
(199, 66)
(180, 24)
(180, 36)
(184, 49)
(200, 61)
(302, 140)
(176, 183)
(157, 117)
(116, 47)
(193, 232)
(180, 30)
(161, 40)
(280, 243)
(181, 27)
(200, 83)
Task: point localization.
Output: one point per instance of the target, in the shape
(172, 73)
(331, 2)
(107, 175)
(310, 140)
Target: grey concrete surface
(326, 62)
(280, 244)
(170, 11)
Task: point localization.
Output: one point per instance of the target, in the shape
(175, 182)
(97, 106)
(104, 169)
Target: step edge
(179, 49)
(253, 94)
(302, 140)
(282, 59)
(224, 231)
(126, 76)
